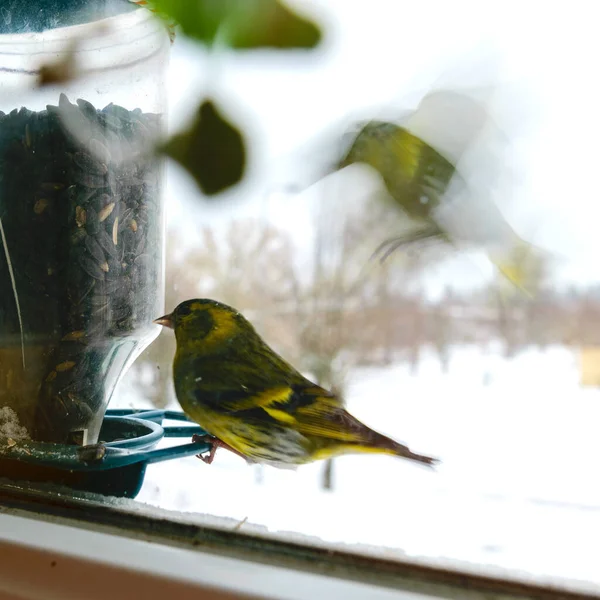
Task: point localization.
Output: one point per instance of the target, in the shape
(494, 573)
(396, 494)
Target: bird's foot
(214, 444)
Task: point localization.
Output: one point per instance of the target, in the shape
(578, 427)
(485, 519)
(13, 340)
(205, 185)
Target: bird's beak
(166, 321)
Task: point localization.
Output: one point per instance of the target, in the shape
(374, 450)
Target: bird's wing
(425, 174)
(305, 407)
(321, 414)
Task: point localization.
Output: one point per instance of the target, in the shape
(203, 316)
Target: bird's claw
(206, 459)
(211, 441)
(214, 444)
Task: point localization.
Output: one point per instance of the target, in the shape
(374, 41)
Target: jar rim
(131, 30)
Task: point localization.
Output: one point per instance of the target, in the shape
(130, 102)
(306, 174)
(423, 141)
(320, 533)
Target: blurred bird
(418, 165)
(255, 404)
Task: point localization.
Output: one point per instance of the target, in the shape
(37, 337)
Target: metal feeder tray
(116, 465)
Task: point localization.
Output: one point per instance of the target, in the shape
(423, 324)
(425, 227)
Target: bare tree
(249, 269)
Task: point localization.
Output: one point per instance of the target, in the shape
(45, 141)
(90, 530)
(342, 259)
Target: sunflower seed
(87, 108)
(106, 243)
(77, 236)
(110, 122)
(80, 216)
(112, 286)
(87, 179)
(100, 151)
(102, 214)
(51, 187)
(94, 248)
(73, 336)
(91, 267)
(87, 163)
(92, 223)
(113, 268)
(65, 366)
(63, 102)
(99, 300)
(40, 206)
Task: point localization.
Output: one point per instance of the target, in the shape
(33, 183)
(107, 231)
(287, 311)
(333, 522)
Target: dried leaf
(65, 69)
(61, 71)
(212, 150)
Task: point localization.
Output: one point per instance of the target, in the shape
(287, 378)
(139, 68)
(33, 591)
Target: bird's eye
(183, 311)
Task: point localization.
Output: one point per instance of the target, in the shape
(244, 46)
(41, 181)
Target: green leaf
(241, 24)
(212, 150)
(269, 24)
(199, 19)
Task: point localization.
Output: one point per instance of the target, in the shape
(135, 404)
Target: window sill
(59, 546)
(40, 560)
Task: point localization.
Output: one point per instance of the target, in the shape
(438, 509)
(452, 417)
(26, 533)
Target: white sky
(380, 58)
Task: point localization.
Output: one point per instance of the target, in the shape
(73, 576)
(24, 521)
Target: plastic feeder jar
(82, 227)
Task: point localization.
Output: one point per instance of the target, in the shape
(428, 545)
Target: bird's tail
(367, 440)
(405, 452)
(381, 443)
(522, 264)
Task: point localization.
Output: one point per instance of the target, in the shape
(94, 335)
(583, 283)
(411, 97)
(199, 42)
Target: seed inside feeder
(72, 181)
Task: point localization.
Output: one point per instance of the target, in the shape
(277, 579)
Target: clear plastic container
(82, 227)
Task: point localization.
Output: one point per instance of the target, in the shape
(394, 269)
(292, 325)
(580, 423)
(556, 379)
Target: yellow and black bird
(419, 165)
(415, 175)
(252, 402)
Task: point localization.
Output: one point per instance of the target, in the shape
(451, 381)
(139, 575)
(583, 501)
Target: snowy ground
(517, 488)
